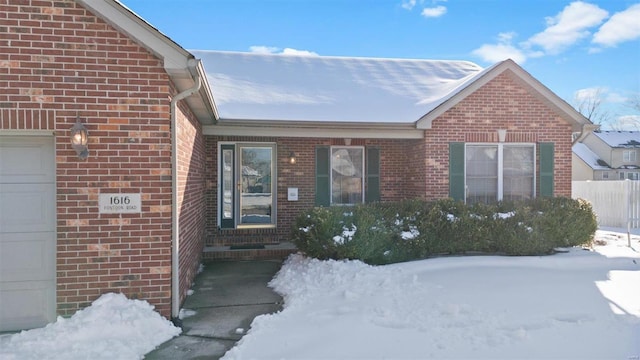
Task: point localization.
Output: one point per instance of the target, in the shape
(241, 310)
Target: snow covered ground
(580, 304)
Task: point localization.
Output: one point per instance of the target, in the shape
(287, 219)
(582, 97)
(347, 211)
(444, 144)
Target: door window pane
(347, 168)
(227, 184)
(256, 198)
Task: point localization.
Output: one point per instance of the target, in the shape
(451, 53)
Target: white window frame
(605, 175)
(362, 148)
(629, 156)
(500, 155)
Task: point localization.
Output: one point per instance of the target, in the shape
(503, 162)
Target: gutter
(585, 130)
(175, 224)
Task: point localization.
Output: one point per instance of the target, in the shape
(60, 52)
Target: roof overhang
(566, 111)
(307, 129)
(179, 64)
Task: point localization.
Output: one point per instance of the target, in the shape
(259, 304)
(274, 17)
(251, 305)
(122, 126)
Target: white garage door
(27, 232)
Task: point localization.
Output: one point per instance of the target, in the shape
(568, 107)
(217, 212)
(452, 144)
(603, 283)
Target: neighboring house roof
(589, 157)
(619, 139)
(251, 86)
(181, 66)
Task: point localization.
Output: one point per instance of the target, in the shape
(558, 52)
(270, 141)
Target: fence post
(628, 193)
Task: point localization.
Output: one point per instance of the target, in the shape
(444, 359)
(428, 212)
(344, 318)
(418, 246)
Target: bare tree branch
(633, 101)
(588, 102)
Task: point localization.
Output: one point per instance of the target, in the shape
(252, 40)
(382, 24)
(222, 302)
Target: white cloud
(589, 93)
(498, 52)
(408, 4)
(616, 98)
(501, 51)
(568, 26)
(622, 26)
(434, 11)
(627, 123)
(600, 92)
(276, 50)
(290, 51)
(264, 49)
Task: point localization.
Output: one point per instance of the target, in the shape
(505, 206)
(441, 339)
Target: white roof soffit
(313, 130)
(568, 113)
(176, 59)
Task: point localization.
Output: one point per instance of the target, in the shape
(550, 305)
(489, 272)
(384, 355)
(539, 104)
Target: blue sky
(573, 47)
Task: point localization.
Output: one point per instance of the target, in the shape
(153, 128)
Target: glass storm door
(256, 190)
(246, 185)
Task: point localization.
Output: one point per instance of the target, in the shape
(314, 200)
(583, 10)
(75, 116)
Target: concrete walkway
(227, 296)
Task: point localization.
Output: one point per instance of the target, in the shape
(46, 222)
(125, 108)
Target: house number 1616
(120, 200)
(119, 203)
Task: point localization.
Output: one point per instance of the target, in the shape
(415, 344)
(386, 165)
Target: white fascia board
(315, 132)
(570, 114)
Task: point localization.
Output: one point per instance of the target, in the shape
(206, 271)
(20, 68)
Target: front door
(247, 187)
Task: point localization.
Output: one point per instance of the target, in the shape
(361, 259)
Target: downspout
(585, 130)
(175, 224)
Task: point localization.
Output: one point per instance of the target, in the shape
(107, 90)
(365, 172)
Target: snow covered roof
(249, 86)
(588, 156)
(620, 139)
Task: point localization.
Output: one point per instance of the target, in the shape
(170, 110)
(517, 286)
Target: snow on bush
(414, 229)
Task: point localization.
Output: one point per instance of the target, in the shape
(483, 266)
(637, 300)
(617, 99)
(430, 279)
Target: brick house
(172, 176)
(97, 63)
(374, 130)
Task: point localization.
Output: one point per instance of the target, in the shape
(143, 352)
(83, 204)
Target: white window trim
(500, 191)
(629, 156)
(236, 203)
(331, 172)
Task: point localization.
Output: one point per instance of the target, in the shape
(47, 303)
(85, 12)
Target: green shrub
(392, 232)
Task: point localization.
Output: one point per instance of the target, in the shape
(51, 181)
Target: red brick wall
(301, 175)
(58, 61)
(191, 196)
(503, 103)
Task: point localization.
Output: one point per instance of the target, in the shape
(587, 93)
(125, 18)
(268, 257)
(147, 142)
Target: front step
(250, 252)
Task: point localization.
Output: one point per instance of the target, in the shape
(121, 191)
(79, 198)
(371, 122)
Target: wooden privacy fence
(616, 203)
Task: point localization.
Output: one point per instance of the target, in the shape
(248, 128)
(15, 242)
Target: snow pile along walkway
(113, 327)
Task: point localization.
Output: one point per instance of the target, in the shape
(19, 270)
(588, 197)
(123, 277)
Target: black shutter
(323, 187)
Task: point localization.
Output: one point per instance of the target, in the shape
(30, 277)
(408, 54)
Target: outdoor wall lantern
(80, 139)
(502, 135)
(292, 158)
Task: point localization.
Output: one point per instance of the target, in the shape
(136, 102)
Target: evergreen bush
(391, 232)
